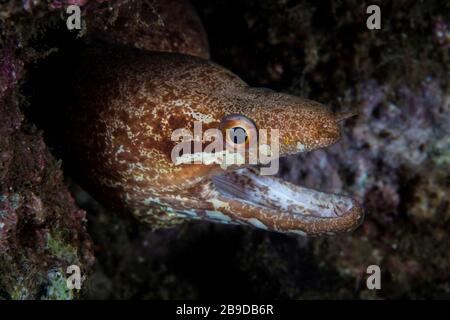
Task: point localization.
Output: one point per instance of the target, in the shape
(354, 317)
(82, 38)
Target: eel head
(253, 194)
(131, 106)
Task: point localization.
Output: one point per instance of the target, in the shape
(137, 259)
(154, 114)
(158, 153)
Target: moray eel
(130, 101)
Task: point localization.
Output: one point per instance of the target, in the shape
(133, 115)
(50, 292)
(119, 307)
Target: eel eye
(238, 135)
(238, 130)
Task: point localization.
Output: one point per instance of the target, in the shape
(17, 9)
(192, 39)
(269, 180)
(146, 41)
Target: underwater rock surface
(42, 230)
(394, 156)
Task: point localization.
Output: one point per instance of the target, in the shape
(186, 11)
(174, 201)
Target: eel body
(129, 102)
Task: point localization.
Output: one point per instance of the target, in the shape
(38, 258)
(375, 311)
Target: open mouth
(269, 202)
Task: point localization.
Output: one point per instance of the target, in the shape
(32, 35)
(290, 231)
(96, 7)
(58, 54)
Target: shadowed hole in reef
(241, 263)
(48, 85)
(207, 260)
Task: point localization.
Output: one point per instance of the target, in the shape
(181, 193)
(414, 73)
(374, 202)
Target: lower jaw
(270, 203)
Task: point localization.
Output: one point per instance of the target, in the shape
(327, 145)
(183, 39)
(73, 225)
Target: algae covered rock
(42, 231)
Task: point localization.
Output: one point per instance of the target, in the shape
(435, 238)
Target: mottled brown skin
(119, 132)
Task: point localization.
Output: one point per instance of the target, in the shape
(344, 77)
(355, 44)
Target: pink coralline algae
(442, 33)
(41, 228)
(62, 4)
(8, 219)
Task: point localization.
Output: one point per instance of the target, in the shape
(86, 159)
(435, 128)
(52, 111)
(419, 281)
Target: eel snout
(303, 125)
(270, 203)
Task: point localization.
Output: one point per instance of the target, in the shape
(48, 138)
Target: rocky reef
(42, 230)
(394, 156)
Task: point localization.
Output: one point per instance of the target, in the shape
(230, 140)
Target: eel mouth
(271, 203)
